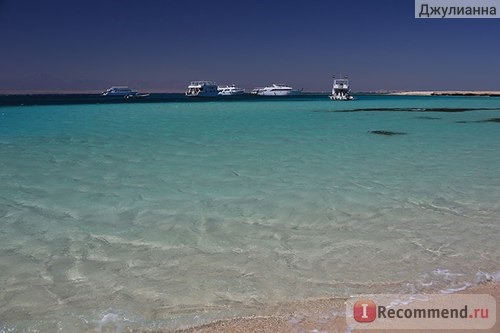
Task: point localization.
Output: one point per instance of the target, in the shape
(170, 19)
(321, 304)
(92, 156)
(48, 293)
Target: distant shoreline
(71, 99)
(495, 93)
(446, 93)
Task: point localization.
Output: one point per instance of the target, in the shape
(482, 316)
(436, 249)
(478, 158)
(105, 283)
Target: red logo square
(365, 311)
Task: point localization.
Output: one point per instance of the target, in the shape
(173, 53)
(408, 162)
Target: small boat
(341, 90)
(276, 90)
(231, 90)
(119, 91)
(202, 89)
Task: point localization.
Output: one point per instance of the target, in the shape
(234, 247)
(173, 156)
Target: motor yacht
(276, 90)
(119, 91)
(202, 89)
(341, 90)
(231, 90)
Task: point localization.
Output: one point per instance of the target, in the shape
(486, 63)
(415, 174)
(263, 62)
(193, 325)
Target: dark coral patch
(388, 133)
(411, 110)
(491, 120)
(416, 109)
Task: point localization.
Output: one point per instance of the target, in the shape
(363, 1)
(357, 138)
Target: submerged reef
(388, 133)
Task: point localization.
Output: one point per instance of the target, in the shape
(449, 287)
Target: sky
(161, 45)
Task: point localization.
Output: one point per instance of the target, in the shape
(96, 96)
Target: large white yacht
(276, 90)
(119, 91)
(231, 90)
(341, 90)
(202, 89)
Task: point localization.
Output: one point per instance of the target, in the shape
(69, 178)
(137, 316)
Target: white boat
(341, 90)
(119, 91)
(231, 90)
(202, 89)
(276, 90)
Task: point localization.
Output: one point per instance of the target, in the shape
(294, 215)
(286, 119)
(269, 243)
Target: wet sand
(322, 315)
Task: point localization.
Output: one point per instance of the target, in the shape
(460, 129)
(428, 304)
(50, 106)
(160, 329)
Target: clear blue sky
(161, 45)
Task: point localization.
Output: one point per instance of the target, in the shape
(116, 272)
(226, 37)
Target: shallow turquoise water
(171, 214)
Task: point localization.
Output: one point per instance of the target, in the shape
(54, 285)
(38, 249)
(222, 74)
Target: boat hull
(278, 93)
(231, 93)
(341, 98)
(202, 94)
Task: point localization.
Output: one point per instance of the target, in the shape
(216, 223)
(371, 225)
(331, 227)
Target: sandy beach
(447, 93)
(321, 315)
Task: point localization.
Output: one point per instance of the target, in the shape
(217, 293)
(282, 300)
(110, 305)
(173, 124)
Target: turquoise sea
(167, 215)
